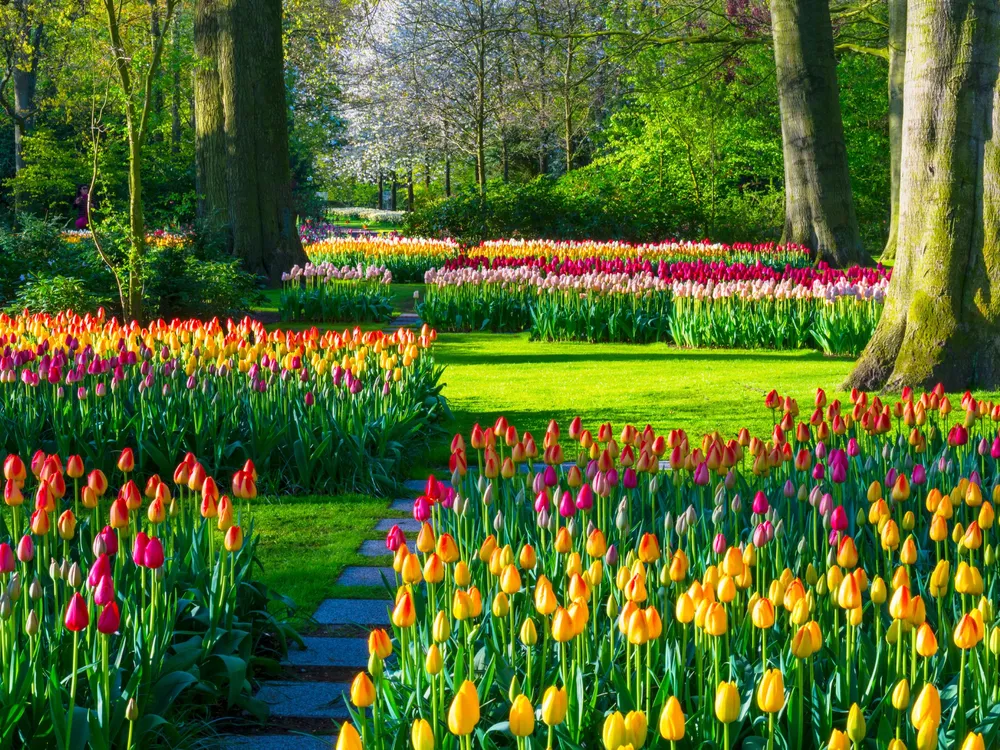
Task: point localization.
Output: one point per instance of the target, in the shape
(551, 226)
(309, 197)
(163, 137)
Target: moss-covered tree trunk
(940, 322)
(897, 65)
(209, 121)
(819, 208)
(259, 204)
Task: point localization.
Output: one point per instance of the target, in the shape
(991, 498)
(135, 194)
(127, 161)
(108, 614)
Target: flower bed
(125, 613)
(832, 582)
(319, 411)
(407, 259)
(324, 292)
(635, 300)
(497, 252)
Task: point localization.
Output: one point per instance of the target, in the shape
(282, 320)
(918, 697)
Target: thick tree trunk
(259, 204)
(25, 84)
(940, 322)
(175, 99)
(897, 64)
(819, 208)
(210, 120)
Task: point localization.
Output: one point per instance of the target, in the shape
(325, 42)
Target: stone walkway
(308, 701)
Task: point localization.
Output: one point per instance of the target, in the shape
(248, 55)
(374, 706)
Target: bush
(44, 270)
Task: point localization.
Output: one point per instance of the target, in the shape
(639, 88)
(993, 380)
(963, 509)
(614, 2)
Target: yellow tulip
(771, 691)
(464, 712)
(672, 720)
(554, 705)
(727, 702)
(522, 717)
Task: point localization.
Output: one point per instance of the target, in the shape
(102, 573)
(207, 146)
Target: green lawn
(307, 541)
(699, 390)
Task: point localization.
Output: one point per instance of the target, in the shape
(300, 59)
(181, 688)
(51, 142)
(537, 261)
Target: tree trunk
(819, 209)
(568, 131)
(392, 192)
(137, 229)
(543, 159)
(381, 191)
(897, 64)
(209, 117)
(409, 191)
(504, 158)
(175, 100)
(447, 176)
(427, 177)
(940, 322)
(25, 84)
(261, 208)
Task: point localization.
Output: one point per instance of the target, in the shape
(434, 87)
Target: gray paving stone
(364, 575)
(406, 525)
(401, 506)
(353, 612)
(276, 742)
(373, 548)
(330, 652)
(305, 700)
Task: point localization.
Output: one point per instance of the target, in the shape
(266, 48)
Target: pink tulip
(26, 549)
(919, 475)
(584, 498)
(421, 509)
(395, 538)
(820, 451)
(719, 544)
(853, 450)
(549, 477)
(105, 592)
(154, 554)
(701, 477)
(6, 558)
(139, 548)
(110, 540)
(98, 571)
(818, 472)
(838, 519)
(566, 505)
(760, 505)
(759, 536)
(542, 501)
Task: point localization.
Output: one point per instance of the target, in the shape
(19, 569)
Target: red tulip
(109, 619)
(104, 594)
(77, 617)
(99, 570)
(6, 558)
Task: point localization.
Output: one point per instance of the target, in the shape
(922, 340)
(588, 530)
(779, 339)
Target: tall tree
(819, 207)
(129, 32)
(897, 71)
(249, 62)
(941, 321)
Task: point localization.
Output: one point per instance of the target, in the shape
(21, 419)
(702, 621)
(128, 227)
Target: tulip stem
(961, 696)
(72, 689)
(770, 731)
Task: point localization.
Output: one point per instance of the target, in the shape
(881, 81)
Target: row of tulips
(125, 613)
(671, 251)
(692, 304)
(325, 292)
(406, 258)
(322, 411)
(831, 584)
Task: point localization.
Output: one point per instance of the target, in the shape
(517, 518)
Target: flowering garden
(820, 577)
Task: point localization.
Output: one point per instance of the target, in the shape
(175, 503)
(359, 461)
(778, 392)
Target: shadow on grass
(486, 357)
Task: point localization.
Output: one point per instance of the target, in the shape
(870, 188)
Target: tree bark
(819, 208)
(175, 99)
(259, 203)
(210, 120)
(25, 85)
(392, 192)
(940, 322)
(897, 65)
(381, 191)
(447, 176)
(409, 191)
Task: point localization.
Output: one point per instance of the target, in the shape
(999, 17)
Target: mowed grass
(699, 390)
(305, 543)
